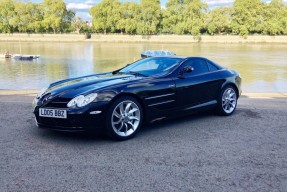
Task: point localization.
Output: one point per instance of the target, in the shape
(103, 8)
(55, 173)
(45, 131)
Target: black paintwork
(160, 96)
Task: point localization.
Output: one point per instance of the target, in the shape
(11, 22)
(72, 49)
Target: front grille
(58, 103)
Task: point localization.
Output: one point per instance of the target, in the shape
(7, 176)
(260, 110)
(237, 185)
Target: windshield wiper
(137, 73)
(117, 72)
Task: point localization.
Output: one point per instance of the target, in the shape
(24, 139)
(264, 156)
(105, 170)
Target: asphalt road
(203, 152)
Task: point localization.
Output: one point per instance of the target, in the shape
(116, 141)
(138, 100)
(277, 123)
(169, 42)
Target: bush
(88, 35)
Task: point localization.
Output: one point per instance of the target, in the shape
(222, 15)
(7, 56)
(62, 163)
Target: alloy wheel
(229, 100)
(125, 118)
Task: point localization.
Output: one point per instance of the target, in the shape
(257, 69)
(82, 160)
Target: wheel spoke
(131, 125)
(133, 110)
(226, 106)
(229, 91)
(134, 118)
(122, 125)
(126, 128)
(122, 108)
(117, 114)
(231, 95)
(117, 122)
(230, 106)
(128, 107)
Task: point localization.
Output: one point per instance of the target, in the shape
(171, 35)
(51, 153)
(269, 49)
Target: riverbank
(140, 38)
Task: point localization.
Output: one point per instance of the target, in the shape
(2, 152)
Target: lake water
(263, 67)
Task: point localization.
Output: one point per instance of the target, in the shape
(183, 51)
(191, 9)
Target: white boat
(6, 55)
(156, 53)
(25, 57)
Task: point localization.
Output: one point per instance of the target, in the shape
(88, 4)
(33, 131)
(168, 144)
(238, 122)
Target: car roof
(180, 57)
(190, 57)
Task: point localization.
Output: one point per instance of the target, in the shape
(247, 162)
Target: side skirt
(213, 102)
(185, 111)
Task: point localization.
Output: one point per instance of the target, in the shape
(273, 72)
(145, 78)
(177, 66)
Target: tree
(128, 17)
(275, 14)
(7, 15)
(194, 16)
(67, 21)
(247, 17)
(219, 20)
(54, 13)
(184, 17)
(21, 18)
(36, 15)
(106, 16)
(149, 17)
(78, 24)
(27, 17)
(173, 17)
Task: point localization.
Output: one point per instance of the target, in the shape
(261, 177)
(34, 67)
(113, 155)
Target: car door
(198, 86)
(160, 94)
(157, 94)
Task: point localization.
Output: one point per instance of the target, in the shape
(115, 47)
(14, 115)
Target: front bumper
(89, 118)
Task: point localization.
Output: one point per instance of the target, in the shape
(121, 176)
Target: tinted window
(199, 66)
(149, 65)
(153, 66)
(211, 66)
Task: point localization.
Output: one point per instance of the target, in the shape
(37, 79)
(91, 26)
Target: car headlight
(81, 100)
(34, 103)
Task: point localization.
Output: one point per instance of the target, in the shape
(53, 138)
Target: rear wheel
(227, 101)
(124, 118)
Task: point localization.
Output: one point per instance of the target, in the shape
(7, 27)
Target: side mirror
(187, 69)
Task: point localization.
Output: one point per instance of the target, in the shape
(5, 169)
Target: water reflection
(263, 67)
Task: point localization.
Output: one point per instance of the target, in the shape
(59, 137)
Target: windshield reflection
(152, 66)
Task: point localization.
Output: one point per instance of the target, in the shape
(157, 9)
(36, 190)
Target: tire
(124, 118)
(227, 101)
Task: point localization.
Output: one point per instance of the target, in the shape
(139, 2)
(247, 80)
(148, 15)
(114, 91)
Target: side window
(211, 66)
(199, 66)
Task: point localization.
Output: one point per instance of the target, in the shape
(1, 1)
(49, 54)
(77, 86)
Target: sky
(82, 6)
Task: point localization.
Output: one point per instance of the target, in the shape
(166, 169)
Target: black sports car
(144, 91)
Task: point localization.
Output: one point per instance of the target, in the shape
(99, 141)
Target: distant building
(89, 23)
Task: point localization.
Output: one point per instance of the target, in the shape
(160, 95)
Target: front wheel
(124, 118)
(227, 101)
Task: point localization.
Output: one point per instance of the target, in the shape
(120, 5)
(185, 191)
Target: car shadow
(148, 129)
(74, 137)
(176, 122)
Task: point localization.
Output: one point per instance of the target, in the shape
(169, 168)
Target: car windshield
(152, 66)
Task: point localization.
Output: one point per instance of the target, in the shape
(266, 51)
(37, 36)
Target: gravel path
(203, 152)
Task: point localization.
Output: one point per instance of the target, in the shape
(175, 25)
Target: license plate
(54, 113)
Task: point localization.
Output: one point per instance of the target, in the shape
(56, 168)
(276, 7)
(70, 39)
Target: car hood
(70, 88)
